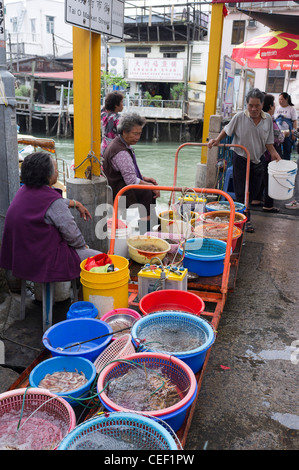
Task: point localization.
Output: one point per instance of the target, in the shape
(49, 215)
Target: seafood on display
(63, 381)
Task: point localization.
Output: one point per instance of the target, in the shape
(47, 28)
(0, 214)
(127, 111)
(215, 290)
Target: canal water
(155, 160)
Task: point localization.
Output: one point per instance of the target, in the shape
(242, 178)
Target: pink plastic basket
(121, 311)
(34, 397)
(173, 368)
(118, 349)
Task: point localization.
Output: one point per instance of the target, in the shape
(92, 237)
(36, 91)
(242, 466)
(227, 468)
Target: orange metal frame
(213, 297)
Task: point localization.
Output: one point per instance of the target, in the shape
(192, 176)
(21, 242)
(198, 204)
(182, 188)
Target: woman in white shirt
(286, 118)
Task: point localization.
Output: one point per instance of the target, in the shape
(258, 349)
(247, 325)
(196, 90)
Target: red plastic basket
(173, 368)
(171, 299)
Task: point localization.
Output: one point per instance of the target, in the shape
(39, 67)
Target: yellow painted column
(213, 71)
(87, 99)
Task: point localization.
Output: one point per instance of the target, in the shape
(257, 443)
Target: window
(33, 29)
(196, 58)
(50, 24)
(275, 81)
(140, 55)
(170, 55)
(238, 32)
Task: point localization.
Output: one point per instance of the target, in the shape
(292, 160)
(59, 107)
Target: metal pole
(9, 161)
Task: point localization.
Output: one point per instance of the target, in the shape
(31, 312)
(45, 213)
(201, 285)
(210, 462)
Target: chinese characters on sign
(99, 16)
(156, 69)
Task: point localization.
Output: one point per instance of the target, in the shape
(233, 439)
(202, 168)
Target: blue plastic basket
(143, 432)
(69, 364)
(212, 206)
(193, 358)
(204, 256)
(179, 373)
(82, 309)
(75, 330)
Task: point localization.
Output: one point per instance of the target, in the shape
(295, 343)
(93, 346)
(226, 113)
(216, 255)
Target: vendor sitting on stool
(121, 169)
(41, 240)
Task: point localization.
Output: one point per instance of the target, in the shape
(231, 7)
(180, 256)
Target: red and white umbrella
(269, 50)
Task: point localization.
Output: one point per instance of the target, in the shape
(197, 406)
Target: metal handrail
(193, 144)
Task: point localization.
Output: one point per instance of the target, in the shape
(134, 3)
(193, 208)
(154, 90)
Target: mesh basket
(176, 371)
(119, 348)
(112, 431)
(27, 401)
(178, 321)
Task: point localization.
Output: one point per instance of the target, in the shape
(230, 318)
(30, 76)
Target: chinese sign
(140, 69)
(99, 16)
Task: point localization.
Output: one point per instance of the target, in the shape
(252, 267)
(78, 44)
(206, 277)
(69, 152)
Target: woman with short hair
(110, 118)
(121, 168)
(41, 240)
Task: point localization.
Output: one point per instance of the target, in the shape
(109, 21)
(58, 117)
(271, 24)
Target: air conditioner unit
(116, 66)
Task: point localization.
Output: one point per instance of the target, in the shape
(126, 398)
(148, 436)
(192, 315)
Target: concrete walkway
(249, 396)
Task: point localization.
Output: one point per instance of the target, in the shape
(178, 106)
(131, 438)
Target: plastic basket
(178, 372)
(69, 364)
(143, 432)
(194, 358)
(171, 299)
(118, 349)
(31, 399)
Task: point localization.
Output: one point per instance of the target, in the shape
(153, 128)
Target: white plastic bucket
(120, 244)
(281, 179)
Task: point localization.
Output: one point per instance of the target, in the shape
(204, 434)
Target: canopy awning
(281, 22)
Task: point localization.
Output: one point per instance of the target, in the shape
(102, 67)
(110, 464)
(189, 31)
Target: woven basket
(119, 348)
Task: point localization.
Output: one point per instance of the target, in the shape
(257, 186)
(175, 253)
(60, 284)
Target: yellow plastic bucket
(107, 291)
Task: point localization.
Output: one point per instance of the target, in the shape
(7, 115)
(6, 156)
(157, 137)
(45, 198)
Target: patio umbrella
(269, 50)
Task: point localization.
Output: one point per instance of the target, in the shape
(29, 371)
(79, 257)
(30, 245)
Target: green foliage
(150, 100)
(113, 80)
(178, 91)
(22, 91)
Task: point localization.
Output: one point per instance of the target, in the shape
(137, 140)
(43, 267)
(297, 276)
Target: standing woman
(286, 118)
(110, 118)
(269, 107)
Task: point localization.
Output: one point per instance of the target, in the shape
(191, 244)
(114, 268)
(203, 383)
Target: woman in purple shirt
(41, 240)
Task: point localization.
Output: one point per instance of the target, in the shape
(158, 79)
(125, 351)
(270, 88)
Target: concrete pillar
(214, 129)
(93, 195)
(200, 178)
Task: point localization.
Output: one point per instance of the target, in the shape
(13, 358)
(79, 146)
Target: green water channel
(155, 160)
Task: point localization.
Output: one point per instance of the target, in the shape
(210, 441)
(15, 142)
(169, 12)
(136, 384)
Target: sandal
(249, 227)
(274, 210)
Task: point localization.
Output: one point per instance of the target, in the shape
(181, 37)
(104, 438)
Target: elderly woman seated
(41, 240)
(121, 169)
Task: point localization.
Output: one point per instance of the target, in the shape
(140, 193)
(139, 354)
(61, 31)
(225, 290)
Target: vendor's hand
(212, 143)
(150, 180)
(156, 193)
(276, 156)
(84, 213)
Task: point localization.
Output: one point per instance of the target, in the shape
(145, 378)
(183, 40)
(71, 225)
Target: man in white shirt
(253, 129)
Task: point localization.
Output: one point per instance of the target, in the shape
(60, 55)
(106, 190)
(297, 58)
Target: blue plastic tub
(214, 206)
(204, 256)
(193, 358)
(69, 364)
(76, 330)
(82, 310)
(143, 432)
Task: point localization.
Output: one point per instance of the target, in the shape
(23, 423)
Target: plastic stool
(48, 300)
(228, 183)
